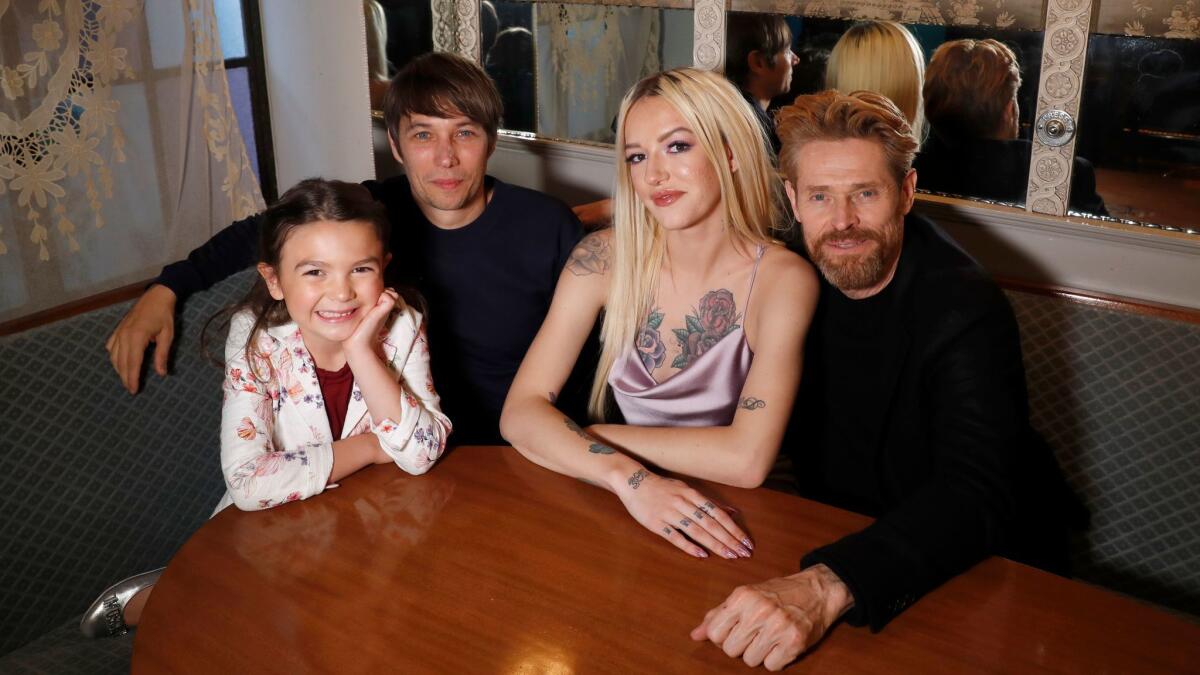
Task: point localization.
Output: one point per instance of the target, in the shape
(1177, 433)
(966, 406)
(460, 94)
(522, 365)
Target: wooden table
(490, 564)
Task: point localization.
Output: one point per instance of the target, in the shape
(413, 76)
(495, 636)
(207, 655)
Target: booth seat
(96, 484)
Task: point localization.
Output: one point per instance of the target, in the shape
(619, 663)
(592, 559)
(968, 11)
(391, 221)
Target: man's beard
(862, 271)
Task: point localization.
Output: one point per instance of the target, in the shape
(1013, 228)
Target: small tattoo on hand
(707, 507)
(685, 522)
(667, 531)
(699, 514)
(751, 403)
(635, 481)
(600, 449)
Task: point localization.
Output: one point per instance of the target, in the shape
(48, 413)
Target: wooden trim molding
(74, 308)
(1104, 301)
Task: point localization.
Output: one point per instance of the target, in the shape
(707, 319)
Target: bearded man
(912, 407)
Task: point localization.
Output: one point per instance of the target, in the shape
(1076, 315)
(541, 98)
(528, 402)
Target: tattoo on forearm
(593, 255)
(635, 481)
(715, 318)
(751, 403)
(576, 428)
(595, 448)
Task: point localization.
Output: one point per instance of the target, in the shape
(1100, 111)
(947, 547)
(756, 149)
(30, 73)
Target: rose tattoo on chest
(715, 317)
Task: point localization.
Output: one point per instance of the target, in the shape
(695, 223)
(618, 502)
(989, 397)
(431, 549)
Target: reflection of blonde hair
(725, 126)
(883, 57)
(969, 85)
(831, 116)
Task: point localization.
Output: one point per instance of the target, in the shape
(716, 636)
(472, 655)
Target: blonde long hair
(883, 57)
(751, 200)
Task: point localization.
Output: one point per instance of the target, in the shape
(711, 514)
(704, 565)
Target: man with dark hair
(759, 61)
(912, 408)
(974, 147)
(486, 255)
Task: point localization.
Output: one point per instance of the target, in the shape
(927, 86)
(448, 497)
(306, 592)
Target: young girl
(326, 370)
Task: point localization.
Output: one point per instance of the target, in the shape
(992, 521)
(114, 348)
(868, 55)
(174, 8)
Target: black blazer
(921, 420)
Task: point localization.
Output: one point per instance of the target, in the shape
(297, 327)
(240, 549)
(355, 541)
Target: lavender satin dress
(704, 394)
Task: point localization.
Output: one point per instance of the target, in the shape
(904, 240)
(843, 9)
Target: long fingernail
(700, 553)
(730, 554)
(749, 544)
(743, 551)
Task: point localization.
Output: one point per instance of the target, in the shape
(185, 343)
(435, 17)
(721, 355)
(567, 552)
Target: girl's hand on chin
(365, 335)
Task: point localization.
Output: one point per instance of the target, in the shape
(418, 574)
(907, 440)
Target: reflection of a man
(510, 64)
(760, 62)
(973, 148)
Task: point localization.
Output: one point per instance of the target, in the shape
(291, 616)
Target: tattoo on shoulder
(713, 319)
(592, 255)
(635, 481)
(751, 403)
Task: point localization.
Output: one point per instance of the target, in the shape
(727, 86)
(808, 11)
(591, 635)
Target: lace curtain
(588, 56)
(119, 147)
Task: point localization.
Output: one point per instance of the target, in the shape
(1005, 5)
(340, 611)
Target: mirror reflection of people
(510, 63)
(974, 148)
(759, 61)
(883, 57)
(704, 317)
(912, 409)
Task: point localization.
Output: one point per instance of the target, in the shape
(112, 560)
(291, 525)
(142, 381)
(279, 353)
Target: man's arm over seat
(152, 317)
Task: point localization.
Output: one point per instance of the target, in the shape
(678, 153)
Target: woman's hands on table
(682, 516)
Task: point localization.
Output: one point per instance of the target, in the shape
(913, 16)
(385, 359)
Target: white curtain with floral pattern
(119, 147)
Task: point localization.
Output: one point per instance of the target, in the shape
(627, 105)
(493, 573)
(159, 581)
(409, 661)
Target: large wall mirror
(562, 67)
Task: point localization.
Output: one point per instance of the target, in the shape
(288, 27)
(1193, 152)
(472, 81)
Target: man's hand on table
(775, 621)
(152, 319)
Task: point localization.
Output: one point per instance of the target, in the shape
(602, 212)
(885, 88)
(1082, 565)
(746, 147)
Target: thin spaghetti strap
(762, 248)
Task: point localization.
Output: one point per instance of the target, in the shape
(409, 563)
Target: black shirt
(487, 286)
(913, 410)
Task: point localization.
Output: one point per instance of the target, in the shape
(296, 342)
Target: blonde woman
(883, 57)
(704, 318)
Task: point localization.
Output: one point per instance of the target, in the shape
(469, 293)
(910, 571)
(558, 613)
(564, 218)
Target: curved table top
(491, 564)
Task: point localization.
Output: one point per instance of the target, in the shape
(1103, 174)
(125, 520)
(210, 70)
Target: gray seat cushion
(95, 484)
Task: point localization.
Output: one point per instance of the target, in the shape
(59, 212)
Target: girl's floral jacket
(276, 444)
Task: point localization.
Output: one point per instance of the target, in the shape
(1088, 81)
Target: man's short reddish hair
(832, 116)
(968, 84)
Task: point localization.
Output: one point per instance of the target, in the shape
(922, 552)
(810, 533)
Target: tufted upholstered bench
(96, 484)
